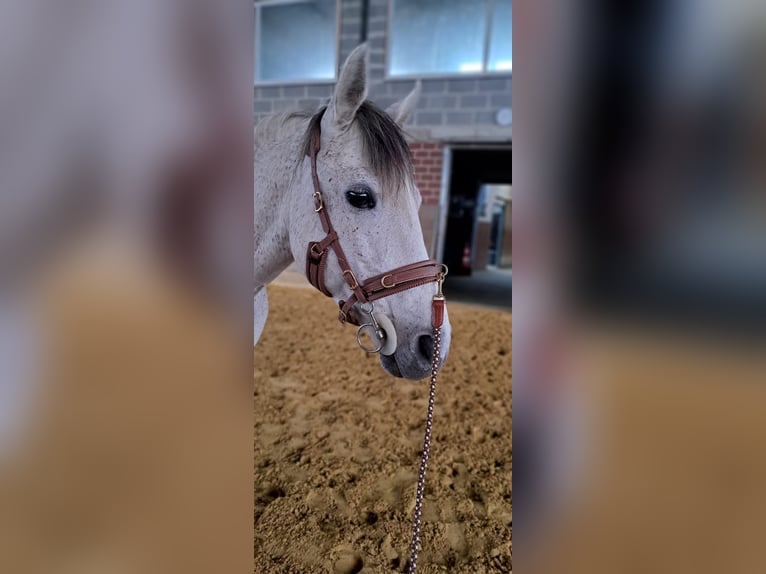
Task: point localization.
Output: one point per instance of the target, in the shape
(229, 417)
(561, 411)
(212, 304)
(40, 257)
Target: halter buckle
(318, 203)
(353, 285)
(383, 281)
(314, 252)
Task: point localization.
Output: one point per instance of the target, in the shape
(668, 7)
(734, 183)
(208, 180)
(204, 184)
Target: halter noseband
(374, 288)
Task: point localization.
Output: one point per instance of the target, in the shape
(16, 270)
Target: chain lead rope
(424, 455)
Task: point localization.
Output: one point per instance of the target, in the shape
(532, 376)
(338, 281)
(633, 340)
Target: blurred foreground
(125, 271)
(639, 286)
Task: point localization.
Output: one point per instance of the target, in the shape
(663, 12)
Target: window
(501, 36)
(295, 40)
(450, 37)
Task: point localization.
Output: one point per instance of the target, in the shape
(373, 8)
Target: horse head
(363, 167)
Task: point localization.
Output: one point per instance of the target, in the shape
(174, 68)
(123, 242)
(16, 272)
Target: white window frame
(484, 73)
(297, 81)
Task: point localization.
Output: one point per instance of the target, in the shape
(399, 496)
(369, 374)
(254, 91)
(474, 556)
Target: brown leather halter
(374, 288)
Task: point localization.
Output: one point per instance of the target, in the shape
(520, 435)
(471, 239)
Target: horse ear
(401, 111)
(351, 89)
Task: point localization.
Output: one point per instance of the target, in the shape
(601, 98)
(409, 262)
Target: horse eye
(361, 197)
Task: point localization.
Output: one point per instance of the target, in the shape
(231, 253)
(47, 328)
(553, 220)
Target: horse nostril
(426, 346)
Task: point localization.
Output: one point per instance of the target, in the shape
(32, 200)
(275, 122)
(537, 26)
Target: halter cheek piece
(374, 288)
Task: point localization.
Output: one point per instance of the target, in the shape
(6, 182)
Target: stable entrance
(478, 220)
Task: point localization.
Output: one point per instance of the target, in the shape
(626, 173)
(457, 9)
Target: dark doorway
(477, 241)
(472, 168)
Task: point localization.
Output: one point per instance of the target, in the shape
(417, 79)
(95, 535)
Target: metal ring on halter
(361, 344)
(368, 308)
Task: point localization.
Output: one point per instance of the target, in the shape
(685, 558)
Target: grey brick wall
(445, 103)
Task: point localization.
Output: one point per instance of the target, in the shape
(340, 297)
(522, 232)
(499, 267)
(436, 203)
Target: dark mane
(384, 146)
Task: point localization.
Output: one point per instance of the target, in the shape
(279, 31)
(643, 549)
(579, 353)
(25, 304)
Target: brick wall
(427, 159)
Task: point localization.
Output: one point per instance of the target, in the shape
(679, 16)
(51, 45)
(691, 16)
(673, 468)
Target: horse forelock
(383, 144)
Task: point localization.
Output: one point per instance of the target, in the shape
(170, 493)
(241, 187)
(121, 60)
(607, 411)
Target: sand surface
(337, 447)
